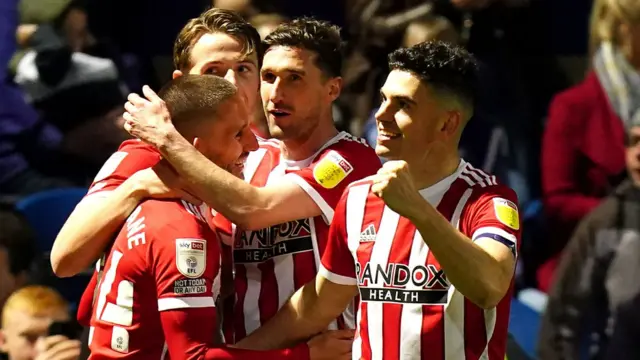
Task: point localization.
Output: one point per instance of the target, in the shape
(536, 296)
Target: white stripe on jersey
(380, 255)
(185, 302)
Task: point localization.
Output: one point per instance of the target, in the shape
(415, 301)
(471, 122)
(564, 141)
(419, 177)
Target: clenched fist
(393, 184)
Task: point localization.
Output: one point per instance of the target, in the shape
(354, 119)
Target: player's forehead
(288, 58)
(403, 84)
(222, 48)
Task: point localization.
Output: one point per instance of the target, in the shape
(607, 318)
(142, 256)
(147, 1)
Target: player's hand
(57, 347)
(393, 184)
(161, 182)
(331, 345)
(148, 119)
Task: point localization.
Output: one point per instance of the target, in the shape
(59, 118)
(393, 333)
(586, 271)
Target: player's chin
(385, 152)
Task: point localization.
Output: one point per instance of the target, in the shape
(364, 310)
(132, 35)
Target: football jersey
(272, 263)
(409, 310)
(131, 157)
(166, 257)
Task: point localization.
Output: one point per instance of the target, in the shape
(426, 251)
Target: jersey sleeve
(338, 265)
(183, 269)
(495, 215)
(120, 166)
(329, 175)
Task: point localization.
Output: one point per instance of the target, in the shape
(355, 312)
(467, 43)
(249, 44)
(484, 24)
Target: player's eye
(212, 71)
(268, 77)
(243, 69)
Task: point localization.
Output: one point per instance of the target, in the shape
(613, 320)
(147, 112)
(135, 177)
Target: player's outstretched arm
(91, 226)
(308, 312)
(189, 333)
(243, 204)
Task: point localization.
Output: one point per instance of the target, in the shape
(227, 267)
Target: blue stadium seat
(47, 211)
(524, 324)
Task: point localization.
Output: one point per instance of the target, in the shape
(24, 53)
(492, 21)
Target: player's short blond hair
(213, 21)
(34, 300)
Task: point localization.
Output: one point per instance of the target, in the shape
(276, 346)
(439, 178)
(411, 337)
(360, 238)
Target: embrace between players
(417, 255)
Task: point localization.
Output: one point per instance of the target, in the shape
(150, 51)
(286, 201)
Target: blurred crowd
(557, 119)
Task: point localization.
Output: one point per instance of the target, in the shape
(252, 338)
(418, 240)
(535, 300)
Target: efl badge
(331, 170)
(191, 256)
(506, 212)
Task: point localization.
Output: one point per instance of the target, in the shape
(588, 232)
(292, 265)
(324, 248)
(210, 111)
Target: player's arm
(243, 204)
(91, 226)
(308, 312)
(481, 267)
(311, 308)
(189, 332)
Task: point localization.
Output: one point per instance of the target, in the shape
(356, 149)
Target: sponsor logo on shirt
(402, 284)
(264, 244)
(369, 234)
(331, 170)
(191, 255)
(506, 212)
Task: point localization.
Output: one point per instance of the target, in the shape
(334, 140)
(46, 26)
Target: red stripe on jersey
(241, 292)
(498, 342)
(372, 215)
(392, 313)
(268, 300)
(433, 337)
(475, 332)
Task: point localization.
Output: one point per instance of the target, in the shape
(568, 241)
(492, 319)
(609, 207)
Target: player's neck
(436, 168)
(304, 147)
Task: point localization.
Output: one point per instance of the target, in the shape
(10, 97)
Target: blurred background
(555, 117)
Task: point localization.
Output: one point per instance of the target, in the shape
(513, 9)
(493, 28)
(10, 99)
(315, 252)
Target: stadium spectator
(598, 274)
(17, 252)
(583, 143)
(29, 317)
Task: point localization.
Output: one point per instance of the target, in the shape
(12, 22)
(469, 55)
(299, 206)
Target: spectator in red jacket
(583, 144)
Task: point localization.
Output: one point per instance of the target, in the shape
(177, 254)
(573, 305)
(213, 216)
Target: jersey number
(120, 313)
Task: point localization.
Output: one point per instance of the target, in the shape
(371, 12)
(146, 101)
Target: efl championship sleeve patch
(191, 256)
(331, 170)
(507, 213)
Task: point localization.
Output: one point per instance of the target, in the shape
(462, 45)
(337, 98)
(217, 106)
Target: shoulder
(132, 155)
(484, 191)
(349, 152)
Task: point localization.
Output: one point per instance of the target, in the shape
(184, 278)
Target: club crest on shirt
(331, 170)
(191, 256)
(506, 212)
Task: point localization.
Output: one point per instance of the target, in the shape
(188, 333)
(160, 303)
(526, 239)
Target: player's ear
(335, 87)
(176, 74)
(3, 342)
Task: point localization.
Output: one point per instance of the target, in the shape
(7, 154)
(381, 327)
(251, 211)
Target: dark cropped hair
(320, 37)
(191, 98)
(446, 68)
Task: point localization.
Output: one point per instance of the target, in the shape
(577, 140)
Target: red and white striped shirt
(271, 264)
(408, 308)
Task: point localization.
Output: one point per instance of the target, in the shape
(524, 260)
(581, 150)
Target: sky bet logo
(427, 284)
